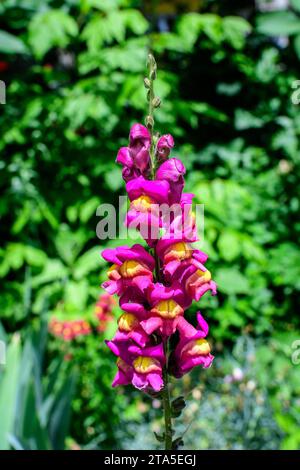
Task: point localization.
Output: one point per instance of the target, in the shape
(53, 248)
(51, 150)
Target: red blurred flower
(3, 66)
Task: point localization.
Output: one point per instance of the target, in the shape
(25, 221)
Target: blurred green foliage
(73, 71)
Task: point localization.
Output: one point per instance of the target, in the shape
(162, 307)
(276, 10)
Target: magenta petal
(171, 267)
(138, 132)
(169, 327)
(142, 159)
(187, 198)
(160, 292)
(204, 361)
(200, 256)
(185, 329)
(120, 379)
(200, 291)
(142, 282)
(132, 302)
(139, 381)
(165, 141)
(151, 325)
(113, 347)
(128, 174)
(203, 325)
(110, 255)
(171, 170)
(111, 287)
(155, 380)
(124, 253)
(156, 190)
(120, 336)
(124, 157)
(140, 337)
(157, 352)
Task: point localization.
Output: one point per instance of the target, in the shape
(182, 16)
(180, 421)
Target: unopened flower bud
(156, 102)
(147, 83)
(149, 122)
(151, 61)
(153, 73)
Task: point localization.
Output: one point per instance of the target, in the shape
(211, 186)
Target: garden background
(73, 72)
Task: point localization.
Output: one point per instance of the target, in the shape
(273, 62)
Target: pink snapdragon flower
(135, 159)
(167, 306)
(182, 223)
(140, 366)
(173, 172)
(164, 147)
(192, 350)
(130, 328)
(145, 199)
(131, 267)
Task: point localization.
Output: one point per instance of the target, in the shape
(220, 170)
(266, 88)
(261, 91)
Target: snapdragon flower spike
(140, 366)
(131, 267)
(155, 291)
(192, 350)
(135, 159)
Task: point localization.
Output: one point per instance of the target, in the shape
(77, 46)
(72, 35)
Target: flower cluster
(156, 286)
(69, 330)
(103, 311)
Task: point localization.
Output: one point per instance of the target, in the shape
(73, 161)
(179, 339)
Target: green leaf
(69, 244)
(135, 21)
(178, 442)
(52, 28)
(297, 45)
(104, 30)
(54, 269)
(158, 437)
(114, 179)
(88, 209)
(8, 391)
(61, 412)
(29, 428)
(88, 262)
(76, 294)
(295, 4)
(192, 24)
(245, 120)
(235, 30)
(103, 5)
(229, 244)
(278, 23)
(284, 265)
(231, 281)
(10, 44)
(34, 257)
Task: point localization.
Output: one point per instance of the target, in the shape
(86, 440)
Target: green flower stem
(167, 406)
(165, 392)
(151, 108)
